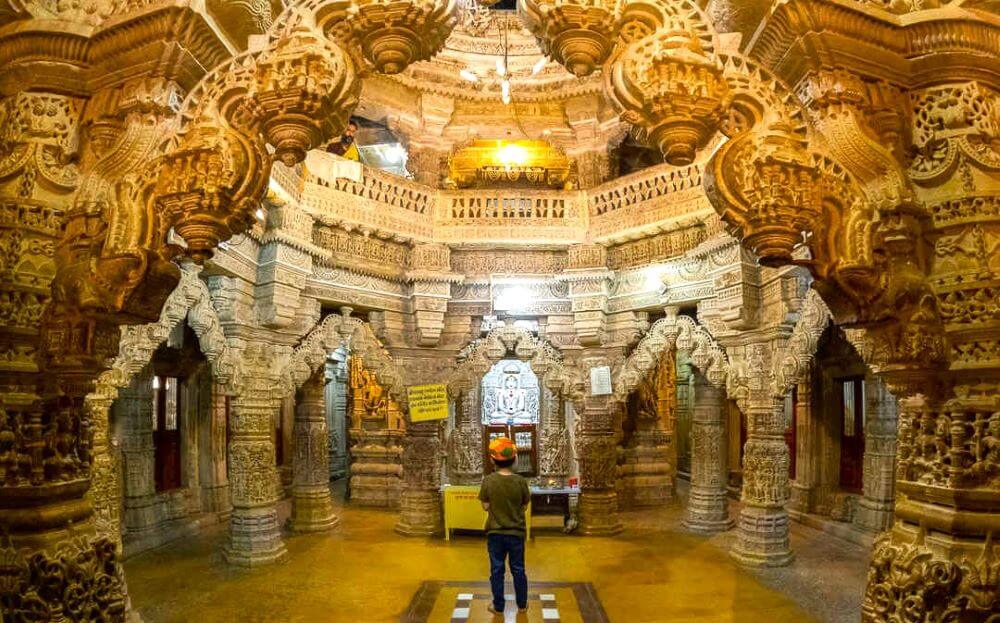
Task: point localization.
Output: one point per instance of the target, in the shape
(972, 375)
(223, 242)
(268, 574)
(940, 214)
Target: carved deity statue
(510, 394)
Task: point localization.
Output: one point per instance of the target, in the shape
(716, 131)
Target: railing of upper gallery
(660, 198)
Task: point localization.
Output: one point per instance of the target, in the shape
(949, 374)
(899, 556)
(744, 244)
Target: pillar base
(707, 510)
(708, 526)
(874, 515)
(254, 538)
(599, 514)
(419, 514)
(762, 538)
(312, 511)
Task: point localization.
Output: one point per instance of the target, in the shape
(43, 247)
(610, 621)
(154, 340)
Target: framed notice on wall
(600, 381)
(427, 402)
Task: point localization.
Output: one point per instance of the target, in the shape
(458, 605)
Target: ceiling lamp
(512, 155)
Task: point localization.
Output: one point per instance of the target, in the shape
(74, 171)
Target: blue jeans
(502, 546)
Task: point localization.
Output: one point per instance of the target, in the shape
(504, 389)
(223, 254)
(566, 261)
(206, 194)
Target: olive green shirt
(507, 496)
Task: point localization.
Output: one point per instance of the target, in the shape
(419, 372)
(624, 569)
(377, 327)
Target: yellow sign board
(427, 402)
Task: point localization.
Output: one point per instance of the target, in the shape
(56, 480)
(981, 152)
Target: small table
(464, 511)
(552, 501)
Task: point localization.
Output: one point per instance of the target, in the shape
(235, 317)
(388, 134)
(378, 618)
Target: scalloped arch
(673, 332)
(334, 331)
(478, 357)
(190, 299)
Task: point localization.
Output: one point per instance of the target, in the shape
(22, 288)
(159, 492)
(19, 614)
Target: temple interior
(276, 272)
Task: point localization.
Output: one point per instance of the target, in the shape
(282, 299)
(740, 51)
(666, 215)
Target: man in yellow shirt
(345, 146)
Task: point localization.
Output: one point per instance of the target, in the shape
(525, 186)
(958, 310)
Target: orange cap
(502, 449)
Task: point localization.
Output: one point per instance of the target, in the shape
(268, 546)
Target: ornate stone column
(708, 501)
(133, 410)
(465, 443)
(420, 503)
(597, 457)
(336, 415)
(214, 471)
(808, 449)
(254, 531)
(105, 492)
(555, 450)
(312, 510)
(876, 503)
(762, 535)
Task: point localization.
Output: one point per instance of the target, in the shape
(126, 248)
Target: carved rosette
(391, 34)
(304, 91)
(580, 35)
(670, 86)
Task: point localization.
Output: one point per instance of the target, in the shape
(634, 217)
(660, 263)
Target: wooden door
(167, 433)
(852, 439)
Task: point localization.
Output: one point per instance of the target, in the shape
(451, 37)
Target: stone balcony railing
(658, 199)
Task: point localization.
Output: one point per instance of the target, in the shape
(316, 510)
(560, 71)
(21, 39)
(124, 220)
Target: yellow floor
(362, 572)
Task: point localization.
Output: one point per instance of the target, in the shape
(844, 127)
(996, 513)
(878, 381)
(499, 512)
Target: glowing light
(501, 68)
(538, 66)
(505, 91)
(259, 214)
(513, 155)
(513, 298)
(395, 154)
(469, 75)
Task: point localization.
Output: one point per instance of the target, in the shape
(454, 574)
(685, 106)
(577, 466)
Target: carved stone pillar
(312, 510)
(420, 504)
(708, 501)
(685, 399)
(133, 410)
(426, 164)
(597, 456)
(214, 472)
(105, 492)
(555, 449)
(588, 278)
(431, 279)
(254, 530)
(808, 448)
(762, 535)
(876, 503)
(336, 415)
(465, 443)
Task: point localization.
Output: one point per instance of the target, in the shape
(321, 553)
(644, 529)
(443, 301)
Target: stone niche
(510, 400)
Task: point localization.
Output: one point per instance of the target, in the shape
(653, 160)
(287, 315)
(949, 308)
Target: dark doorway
(852, 439)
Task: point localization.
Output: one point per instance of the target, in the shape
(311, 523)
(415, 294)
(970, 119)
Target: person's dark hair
(504, 463)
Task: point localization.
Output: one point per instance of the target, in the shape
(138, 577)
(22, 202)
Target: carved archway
(359, 339)
(480, 355)
(558, 382)
(776, 375)
(673, 332)
(190, 300)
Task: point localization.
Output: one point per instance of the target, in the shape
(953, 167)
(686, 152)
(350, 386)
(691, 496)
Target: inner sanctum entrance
(510, 409)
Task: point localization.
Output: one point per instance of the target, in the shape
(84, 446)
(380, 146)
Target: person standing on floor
(505, 497)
